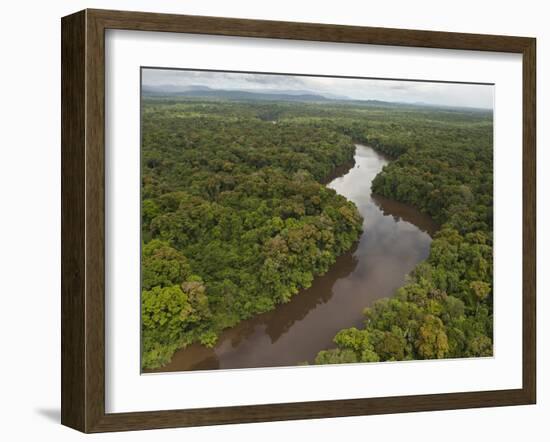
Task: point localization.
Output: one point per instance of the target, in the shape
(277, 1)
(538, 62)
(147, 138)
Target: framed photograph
(271, 220)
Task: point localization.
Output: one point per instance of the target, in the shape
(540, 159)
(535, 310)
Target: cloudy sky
(448, 94)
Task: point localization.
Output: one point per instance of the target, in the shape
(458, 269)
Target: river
(395, 238)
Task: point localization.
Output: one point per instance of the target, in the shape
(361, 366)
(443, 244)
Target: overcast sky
(448, 94)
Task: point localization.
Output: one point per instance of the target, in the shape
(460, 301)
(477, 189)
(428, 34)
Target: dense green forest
(444, 167)
(236, 219)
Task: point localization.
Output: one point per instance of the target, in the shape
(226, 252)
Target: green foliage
(162, 265)
(236, 220)
(235, 205)
(336, 356)
(432, 342)
(167, 314)
(443, 166)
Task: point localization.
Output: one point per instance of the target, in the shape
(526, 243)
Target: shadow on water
(395, 238)
(273, 324)
(406, 213)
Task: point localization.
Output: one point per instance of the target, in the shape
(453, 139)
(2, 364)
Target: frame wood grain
(83, 216)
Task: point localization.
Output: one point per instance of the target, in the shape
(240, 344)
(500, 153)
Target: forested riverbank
(445, 169)
(236, 220)
(395, 238)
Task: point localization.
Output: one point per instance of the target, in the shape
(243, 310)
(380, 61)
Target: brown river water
(395, 238)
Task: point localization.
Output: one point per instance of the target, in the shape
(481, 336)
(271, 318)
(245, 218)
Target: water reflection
(404, 212)
(396, 237)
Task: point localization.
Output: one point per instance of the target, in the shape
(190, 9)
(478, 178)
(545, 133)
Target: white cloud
(449, 94)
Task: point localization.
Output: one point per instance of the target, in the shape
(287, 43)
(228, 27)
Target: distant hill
(205, 92)
(228, 94)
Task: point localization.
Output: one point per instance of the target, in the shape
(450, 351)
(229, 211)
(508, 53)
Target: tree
(162, 265)
(432, 342)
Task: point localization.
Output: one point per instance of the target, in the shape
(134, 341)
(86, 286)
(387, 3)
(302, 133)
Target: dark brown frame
(83, 215)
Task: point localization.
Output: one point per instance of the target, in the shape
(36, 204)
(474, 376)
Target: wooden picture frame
(83, 217)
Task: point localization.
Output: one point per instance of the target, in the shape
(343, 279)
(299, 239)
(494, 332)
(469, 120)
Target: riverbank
(395, 238)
